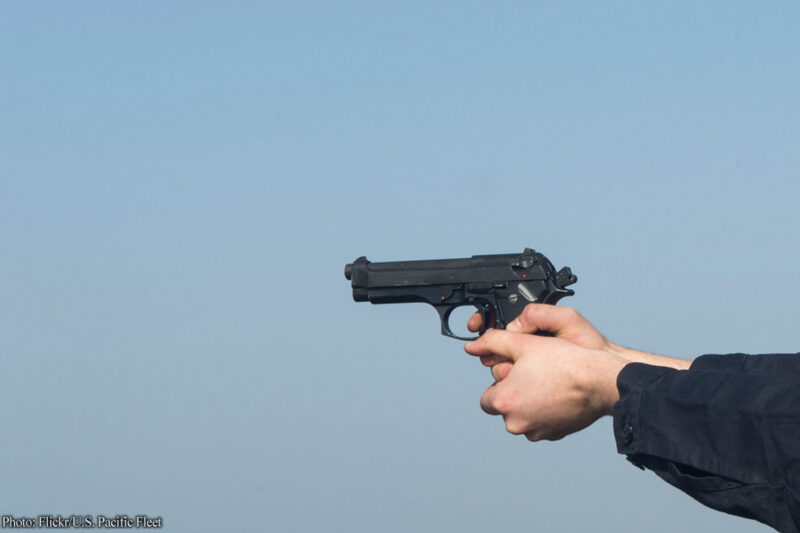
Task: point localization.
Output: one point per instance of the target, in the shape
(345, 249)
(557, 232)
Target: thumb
(498, 342)
(545, 317)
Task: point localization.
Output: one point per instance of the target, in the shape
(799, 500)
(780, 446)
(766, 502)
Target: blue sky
(182, 183)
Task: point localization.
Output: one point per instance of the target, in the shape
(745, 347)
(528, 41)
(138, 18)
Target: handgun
(498, 286)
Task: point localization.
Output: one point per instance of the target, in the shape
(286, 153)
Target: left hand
(550, 387)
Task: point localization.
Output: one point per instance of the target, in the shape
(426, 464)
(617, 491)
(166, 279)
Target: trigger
(487, 318)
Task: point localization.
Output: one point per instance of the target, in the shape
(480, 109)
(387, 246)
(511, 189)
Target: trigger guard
(487, 319)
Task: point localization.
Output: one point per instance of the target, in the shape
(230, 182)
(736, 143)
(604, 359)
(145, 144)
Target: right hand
(568, 324)
(563, 322)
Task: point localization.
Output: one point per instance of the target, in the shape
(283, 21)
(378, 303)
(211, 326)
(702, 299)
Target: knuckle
(533, 436)
(573, 315)
(515, 427)
(501, 370)
(486, 404)
(490, 335)
(540, 433)
(530, 312)
(503, 403)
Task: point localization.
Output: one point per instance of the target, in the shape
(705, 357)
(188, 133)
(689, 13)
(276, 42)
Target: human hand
(547, 387)
(562, 322)
(568, 324)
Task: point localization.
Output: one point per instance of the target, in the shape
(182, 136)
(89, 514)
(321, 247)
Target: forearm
(777, 365)
(727, 439)
(638, 356)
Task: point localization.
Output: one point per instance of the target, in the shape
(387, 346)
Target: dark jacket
(726, 431)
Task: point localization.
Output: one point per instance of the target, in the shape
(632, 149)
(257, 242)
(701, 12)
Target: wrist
(601, 390)
(638, 356)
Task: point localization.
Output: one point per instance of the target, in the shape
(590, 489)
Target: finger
(545, 317)
(501, 370)
(491, 360)
(487, 401)
(475, 322)
(498, 342)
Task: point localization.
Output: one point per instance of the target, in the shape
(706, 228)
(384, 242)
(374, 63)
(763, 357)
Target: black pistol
(498, 286)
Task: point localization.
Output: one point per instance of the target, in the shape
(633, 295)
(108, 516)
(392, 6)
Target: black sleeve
(729, 440)
(778, 365)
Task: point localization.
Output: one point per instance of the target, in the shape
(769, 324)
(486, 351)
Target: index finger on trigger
(475, 322)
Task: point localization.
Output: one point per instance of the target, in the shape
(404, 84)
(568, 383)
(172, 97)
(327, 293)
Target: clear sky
(182, 183)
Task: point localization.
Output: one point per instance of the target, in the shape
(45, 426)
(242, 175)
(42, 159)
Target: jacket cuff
(775, 365)
(631, 381)
(720, 363)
